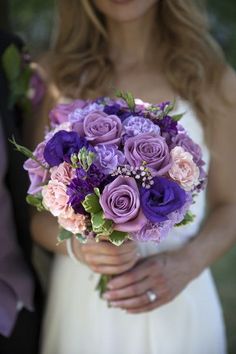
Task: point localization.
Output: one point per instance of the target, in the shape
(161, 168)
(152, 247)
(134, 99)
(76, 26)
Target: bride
(162, 299)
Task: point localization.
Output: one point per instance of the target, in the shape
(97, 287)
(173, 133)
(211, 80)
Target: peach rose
(55, 198)
(75, 223)
(183, 170)
(63, 173)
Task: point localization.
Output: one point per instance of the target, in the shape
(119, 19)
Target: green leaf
(36, 201)
(11, 61)
(64, 235)
(97, 220)
(105, 229)
(188, 218)
(118, 237)
(97, 192)
(22, 149)
(177, 117)
(91, 204)
(127, 97)
(169, 108)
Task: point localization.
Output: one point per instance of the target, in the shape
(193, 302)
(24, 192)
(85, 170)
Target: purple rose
(121, 203)
(108, 158)
(61, 146)
(37, 174)
(61, 112)
(99, 127)
(135, 125)
(149, 148)
(163, 198)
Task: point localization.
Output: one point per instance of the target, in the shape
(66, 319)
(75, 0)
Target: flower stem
(101, 286)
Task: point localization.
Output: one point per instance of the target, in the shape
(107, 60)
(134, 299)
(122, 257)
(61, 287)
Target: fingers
(130, 291)
(114, 269)
(141, 308)
(141, 303)
(102, 259)
(131, 277)
(107, 248)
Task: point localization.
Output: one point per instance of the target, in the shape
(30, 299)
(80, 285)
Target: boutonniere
(25, 84)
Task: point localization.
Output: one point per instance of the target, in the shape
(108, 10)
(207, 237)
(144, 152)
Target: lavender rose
(163, 198)
(101, 128)
(108, 158)
(121, 203)
(61, 146)
(149, 148)
(37, 174)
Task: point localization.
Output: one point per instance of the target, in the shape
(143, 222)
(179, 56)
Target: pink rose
(63, 173)
(184, 170)
(55, 198)
(75, 223)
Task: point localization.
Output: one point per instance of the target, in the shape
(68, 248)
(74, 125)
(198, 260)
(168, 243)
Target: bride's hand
(164, 276)
(104, 258)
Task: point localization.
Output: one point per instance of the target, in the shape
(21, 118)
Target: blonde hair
(80, 66)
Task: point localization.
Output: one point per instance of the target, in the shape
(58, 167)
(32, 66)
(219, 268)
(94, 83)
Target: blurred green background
(33, 21)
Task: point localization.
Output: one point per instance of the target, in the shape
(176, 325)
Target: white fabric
(78, 322)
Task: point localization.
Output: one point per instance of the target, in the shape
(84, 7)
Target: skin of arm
(168, 274)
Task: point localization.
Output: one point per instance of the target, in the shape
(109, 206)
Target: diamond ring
(151, 296)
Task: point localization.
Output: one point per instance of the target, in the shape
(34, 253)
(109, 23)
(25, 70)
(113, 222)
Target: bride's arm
(168, 274)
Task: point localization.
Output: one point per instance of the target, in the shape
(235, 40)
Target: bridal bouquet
(115, 168)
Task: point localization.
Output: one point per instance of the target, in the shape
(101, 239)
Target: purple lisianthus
(108, 158)
(61, 146)
(135, 125)
(101, 128)
(120, 202)
(38, 175)
(148, 148)
(82, 185)
(163, 198)
(118, 110)
(61, 112)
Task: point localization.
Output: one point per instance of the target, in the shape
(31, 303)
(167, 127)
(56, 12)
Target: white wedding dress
(77, 321)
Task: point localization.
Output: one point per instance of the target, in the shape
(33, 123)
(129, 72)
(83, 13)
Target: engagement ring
(151, 296)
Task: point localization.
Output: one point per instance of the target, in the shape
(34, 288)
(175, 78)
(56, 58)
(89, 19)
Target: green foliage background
(33, 21)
